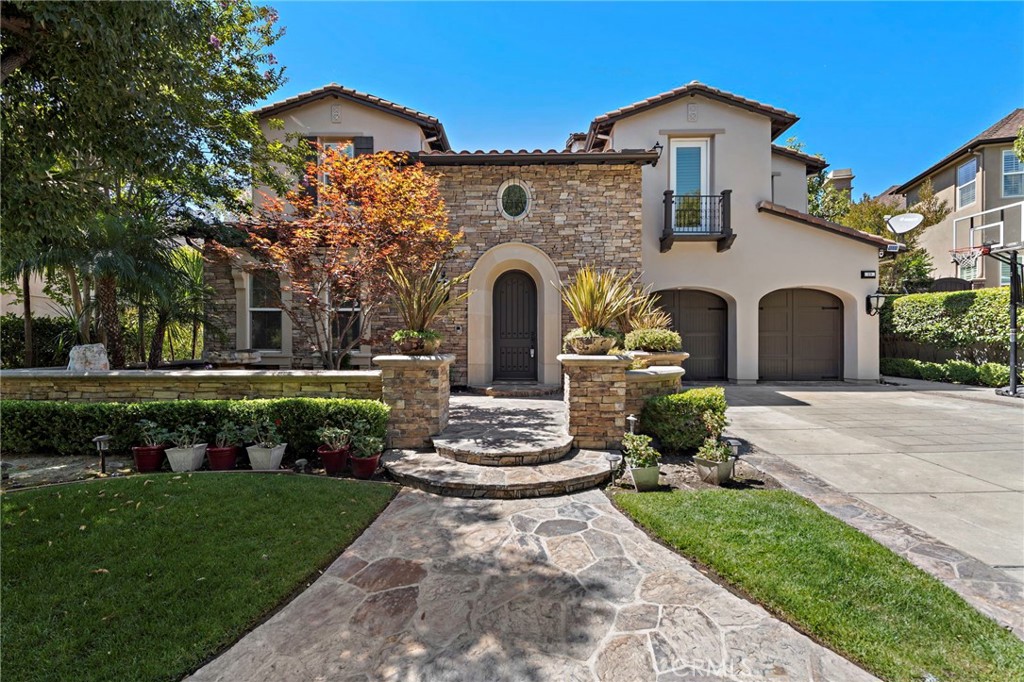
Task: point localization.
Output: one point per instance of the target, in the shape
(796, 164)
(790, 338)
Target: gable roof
(822, 224)
(432, 127)
(781, 119)
(814, 163)
(1003, 130)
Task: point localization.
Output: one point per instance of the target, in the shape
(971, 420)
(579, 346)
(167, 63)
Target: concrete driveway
(949, 461)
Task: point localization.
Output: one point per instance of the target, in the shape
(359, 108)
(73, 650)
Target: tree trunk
(106, 297)
(26, 294)
(156, 344)
(142, 333)
(81, 323)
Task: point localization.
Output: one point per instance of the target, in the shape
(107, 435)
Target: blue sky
(886, 89)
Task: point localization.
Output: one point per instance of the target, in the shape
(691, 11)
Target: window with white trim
(341, 147)
(966, 183)
(1013, 174)
(265, 314)
(1004, 274)
(346, 324)
(969, 272)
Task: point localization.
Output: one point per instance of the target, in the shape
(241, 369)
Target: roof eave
(952, 158)
(629, 157)
(833, 228)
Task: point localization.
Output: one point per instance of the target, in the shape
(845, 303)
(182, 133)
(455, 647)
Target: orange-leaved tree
(331, 237)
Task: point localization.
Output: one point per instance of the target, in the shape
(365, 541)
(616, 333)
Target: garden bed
(147, 577)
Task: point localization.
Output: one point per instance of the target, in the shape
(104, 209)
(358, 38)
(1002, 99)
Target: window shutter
(311, 157)
(363, 145)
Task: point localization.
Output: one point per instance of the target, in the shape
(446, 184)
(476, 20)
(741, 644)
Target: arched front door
(515, 326)
(701, 318)
(800, 336)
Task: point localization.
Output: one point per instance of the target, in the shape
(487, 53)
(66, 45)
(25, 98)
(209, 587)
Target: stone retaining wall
(642, 384)
(417, 389)
(139, 385)
(595, 399)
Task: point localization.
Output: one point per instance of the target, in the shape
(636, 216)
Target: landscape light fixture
(102, 444)
(875, 302)
(632, 422)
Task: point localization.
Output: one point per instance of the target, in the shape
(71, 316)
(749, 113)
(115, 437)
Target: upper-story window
(690, 180)
(966, 183)
(341, 147)
(1013, 174)
(513, 199)
(265, 314)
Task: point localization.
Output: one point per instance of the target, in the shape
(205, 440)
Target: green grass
(846, 590)
(144, 578)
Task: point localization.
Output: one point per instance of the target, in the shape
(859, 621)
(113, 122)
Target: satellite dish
(904, 222)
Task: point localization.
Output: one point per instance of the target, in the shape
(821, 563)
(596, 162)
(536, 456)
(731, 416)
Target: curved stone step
(433, 473)
(502, 452)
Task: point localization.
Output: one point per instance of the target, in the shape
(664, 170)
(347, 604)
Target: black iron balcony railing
(697, 217)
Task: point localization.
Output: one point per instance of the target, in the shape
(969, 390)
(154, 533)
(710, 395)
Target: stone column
(595, 399)
(417, 389)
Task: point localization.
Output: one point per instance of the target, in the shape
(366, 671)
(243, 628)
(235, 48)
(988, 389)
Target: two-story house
(687, 189)
(982, 182)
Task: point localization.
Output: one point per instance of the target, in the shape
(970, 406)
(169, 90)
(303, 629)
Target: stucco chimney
(841, 179)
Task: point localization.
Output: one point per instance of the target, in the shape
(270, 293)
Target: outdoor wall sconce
(875, 302)
(102, 444)
(657, 148)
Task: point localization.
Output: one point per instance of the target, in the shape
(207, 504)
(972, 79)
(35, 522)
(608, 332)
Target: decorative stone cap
(164, 374)
(597, 360)
(439, 360)
(663, 358)
(654, 373)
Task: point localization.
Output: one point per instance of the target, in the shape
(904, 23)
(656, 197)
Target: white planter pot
(186, 459)
(645, 478)
(266, 459)
(716, 473)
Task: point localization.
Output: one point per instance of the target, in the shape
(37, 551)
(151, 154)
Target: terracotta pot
(334, 460)
(266, 459)
(365, 467)
(591, 345)
(222, 459)
(148, 458)
(416, 346)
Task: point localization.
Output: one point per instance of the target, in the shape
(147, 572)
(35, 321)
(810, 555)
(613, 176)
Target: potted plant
(187, 453)
(150, 456)
(337, 443)
(422, 297)
(642, 460)
(366, 451)
(714, 461)
(223, 456)
(596, 300)
(267, 450)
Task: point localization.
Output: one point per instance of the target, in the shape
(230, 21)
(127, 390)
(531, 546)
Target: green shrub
(654, 340)
(900, 367)
(52, 339)
(954, 320)
(678, 421)
(932, 371)
(961, 372)
(57, 428)
(993, 374)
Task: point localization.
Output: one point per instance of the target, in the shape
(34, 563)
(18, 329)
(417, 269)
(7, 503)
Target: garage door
(800, 336)
(701, 318)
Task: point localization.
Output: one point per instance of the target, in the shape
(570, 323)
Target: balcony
(697, 218)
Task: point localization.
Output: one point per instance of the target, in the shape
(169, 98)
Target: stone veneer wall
(138, 385)
(417, 389)
(579, 214)
(595, 399)
(221, 332)
(642, 384)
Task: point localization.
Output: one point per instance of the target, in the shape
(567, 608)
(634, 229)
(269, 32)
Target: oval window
(514, 201)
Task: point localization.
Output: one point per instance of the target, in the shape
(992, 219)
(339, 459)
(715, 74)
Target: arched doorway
(515, 326)
(701, 318)
(800, 336)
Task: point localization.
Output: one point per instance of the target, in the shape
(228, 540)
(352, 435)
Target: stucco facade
(601, 202)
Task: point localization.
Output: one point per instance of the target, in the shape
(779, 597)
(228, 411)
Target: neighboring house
(11, 301)
(982, 181)
(686, 188)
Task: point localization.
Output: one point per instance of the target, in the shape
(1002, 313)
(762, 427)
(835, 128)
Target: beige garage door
(701, 319)
(800, 336)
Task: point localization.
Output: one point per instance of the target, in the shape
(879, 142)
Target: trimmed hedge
(994, 374)
(956, 371)
(654, 340)
(36, 427)
(968, 322)
(675, 419)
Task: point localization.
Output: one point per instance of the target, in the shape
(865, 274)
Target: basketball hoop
(967, 256)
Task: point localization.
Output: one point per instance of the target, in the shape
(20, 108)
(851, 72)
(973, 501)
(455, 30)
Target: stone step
(513, 389)
(503, 452)
(433, 473)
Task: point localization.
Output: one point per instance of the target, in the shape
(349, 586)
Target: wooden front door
(701, 318)
(800, 336)
(515, 326)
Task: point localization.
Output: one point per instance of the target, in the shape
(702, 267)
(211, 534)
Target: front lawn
(846, 590)
(144, 578)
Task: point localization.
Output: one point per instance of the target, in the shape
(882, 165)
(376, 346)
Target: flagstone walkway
(561, 588)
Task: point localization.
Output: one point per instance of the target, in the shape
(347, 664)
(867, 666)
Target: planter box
(658, 359)
(716, 473)
(590, 345)
(645, 478)
(266, 459)
(186, 459)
